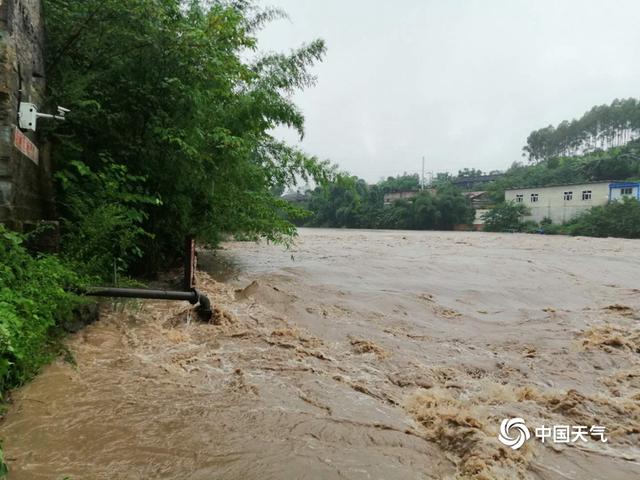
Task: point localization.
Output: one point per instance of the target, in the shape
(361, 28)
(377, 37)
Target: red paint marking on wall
(25, 146)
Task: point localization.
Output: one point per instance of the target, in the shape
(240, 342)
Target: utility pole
(422, 178)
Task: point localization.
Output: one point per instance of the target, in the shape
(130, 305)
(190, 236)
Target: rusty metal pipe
(192, 296)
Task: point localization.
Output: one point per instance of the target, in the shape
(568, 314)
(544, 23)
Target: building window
(586, 195)
(568, 196)
(534, 197)
(519, 198)
(626, 191)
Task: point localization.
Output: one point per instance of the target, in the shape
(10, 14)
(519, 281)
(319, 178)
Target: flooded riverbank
(356, 354)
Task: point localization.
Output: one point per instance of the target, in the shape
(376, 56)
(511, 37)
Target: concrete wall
(389, 198)
(478, 221)
(552, 203)
(25, 184)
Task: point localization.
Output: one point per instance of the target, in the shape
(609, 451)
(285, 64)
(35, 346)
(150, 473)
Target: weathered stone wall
(25, 183)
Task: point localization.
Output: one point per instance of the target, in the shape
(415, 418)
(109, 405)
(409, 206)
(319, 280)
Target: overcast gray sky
(462, 82)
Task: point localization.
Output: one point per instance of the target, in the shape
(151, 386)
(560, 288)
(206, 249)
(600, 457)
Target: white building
(561, 203)
(389, 198)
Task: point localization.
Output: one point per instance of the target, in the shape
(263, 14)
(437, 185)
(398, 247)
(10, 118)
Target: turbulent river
(354, 354)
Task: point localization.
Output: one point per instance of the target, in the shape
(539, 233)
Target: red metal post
(190, 263)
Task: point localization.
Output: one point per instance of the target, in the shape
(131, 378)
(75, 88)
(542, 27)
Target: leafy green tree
(401, 183)
(470, 173)
(350, 202)
(106, 234)
(618, 163)
(454, 208)
(441, 179)
(425, 213)
(505, 217)
(601, 128)
(177, 93)
(336, 204)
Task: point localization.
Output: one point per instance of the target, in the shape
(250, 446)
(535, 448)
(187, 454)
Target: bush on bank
(34, 301)
(615, 219)
(505, 217)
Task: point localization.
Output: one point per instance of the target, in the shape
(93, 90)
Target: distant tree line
(618, 163)
(601, 128)
(350, 202)
(602, 145)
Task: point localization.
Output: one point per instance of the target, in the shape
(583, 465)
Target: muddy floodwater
(354, 354)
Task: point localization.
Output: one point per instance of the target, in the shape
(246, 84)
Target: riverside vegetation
(172, 106)
(168, 135)
(602, 145)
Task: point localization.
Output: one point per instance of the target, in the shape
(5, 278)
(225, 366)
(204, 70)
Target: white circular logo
(513, 432)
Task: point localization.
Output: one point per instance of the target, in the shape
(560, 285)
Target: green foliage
(601, 128)
(107, 208)
(4, 469)
(33, 301)
(441, 179)
(177, 97)
(350, 202)
(401, 183)
(530, 226)
(603, 144)
(339, 203)
(615, 219)
(453, 207)
(506, 217)
(619, 163)
(615, 164)
(553, 229)
(469, 173)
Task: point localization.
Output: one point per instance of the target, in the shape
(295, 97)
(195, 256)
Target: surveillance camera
(63, 110)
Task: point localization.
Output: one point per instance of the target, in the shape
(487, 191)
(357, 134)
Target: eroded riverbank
(356, 354)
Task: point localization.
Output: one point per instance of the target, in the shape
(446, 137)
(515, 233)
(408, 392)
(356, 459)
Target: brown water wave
(353, 355)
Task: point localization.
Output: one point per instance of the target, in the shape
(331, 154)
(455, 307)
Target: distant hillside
(617, 163)
(601, 128)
